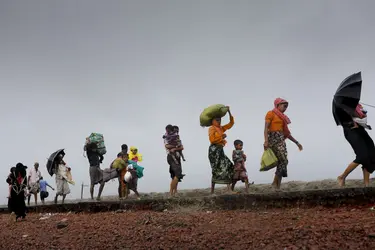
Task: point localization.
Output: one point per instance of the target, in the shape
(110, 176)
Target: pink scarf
(358, 111)
(282, 116)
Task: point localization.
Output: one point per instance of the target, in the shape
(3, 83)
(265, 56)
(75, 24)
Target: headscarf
(359, 111)
(20, 173)
(282, 116)
(134, 157)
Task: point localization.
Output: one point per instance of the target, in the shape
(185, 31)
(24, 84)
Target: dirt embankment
(292, 228)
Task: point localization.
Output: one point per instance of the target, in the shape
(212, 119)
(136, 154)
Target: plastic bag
(128, 177)
(268, 161)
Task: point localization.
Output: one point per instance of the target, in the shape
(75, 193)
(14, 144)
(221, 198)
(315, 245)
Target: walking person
(120, 164)
(33, 180)
(131, 181)
(18, 181)
(174, 162)
(124, 150)
(43, 189)
(239, 159)
(60, 171)
(96, 173)
(222, 167)
(276, 131)
(362, 145)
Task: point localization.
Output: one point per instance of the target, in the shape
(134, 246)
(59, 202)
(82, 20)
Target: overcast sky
(128, 68)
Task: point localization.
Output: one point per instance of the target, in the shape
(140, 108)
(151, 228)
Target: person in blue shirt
(43, 189)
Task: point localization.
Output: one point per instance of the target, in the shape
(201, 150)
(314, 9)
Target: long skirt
(363, 147)
(277, 143)
(17, 203)
(222, 167)
(96, 175)
(62, 187)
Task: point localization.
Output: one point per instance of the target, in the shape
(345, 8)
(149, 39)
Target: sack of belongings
(212, 112)
(97, 139)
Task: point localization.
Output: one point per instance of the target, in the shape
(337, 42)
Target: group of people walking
(23, 185)
(276, 131)
(224, 171)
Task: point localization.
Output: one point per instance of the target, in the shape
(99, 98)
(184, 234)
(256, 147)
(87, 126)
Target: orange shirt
(215, 133)
(276, 123)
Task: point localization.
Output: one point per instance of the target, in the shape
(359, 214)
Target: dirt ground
(314, 228)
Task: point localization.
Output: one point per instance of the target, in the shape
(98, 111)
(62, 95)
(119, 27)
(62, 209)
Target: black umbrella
(51, 160)
(346, 98)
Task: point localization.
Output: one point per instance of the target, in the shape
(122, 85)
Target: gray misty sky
(128, 68)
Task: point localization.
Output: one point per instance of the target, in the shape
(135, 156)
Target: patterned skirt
(222, 167)
(277, 144)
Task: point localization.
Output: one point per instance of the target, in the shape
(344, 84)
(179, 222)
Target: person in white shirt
(33, 181)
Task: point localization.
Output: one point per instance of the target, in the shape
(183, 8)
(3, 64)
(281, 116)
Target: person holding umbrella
(276, 131)
(62, 186)
(348, 113)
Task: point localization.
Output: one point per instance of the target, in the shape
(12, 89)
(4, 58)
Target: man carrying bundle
(95, 149)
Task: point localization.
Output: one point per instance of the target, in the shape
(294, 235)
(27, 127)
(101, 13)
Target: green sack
(213, 111)
(98, 139)
(268, 161)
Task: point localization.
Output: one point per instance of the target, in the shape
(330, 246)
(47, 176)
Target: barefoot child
(176, 129)
(172, 137)
(239, 158)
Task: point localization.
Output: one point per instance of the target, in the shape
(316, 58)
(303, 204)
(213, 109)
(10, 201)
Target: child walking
(239, 158)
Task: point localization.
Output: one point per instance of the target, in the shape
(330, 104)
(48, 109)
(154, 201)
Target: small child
(178, 141)
(239, 158)
(171, 137)
(362, 119)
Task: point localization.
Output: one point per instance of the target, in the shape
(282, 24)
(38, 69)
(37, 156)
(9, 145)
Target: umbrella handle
(372, 106)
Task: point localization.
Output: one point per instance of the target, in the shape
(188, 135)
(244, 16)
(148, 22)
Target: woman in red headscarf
(276, 131)
(362, 145)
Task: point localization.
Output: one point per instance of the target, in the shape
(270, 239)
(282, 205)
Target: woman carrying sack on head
(276, 131)
(222, 167)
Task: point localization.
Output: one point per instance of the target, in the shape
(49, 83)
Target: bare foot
(341, 181)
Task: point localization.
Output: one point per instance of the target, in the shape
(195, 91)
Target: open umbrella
(346, 98)
(51, 160)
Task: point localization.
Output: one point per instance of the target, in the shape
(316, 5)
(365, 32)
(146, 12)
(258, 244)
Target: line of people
(23, 185)
(276, 132)
(224, 171)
